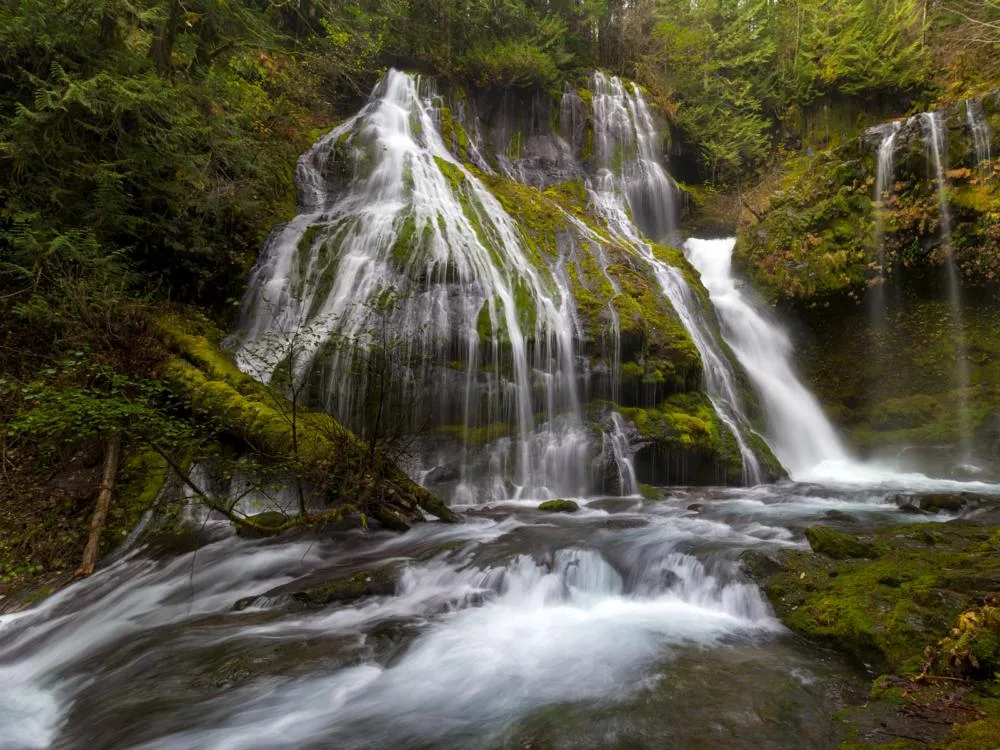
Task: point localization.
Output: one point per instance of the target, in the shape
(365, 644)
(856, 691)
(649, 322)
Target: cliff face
(887, 250)
(820, 228)
(502, 254)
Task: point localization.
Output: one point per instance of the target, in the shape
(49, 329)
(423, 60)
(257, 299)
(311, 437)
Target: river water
(629, 624)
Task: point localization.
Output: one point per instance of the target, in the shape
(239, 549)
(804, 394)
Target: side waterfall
(482, 327)
(624, 136)
(980, 130)
(936, 138)
(883, 193)
(798, 431)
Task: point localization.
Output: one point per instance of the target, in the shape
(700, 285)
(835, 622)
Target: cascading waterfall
(626, 143)
(472, 313)
(630, 183)
(884, 174)
(980, 130)
(936, 139)
(798, 431)
(618, 449)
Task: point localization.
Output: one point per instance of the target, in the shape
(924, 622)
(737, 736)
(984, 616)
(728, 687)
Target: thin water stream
(937, 143)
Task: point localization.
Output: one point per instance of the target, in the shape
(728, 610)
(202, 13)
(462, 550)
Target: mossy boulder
(262, 524)
(378, 582)
(838, 545)
(316, 447)
(889, 609)
(559, 506)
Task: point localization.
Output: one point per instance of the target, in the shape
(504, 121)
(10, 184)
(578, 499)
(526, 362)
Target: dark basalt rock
(318, 593)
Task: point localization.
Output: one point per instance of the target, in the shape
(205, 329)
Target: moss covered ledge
(315, 446)
(918, 603)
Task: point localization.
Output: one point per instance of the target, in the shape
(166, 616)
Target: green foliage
(742, 72)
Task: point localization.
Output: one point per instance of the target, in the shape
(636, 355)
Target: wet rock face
(815, 239)
(518, 135)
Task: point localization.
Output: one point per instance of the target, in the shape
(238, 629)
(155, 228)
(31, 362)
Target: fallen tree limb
(100, 517)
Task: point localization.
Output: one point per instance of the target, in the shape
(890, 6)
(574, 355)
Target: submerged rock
(559, 506)
(317, 593)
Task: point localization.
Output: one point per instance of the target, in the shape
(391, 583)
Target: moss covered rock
(559, 506)
(886, 610)
(838, 545)
(316, 447)
(923, 612)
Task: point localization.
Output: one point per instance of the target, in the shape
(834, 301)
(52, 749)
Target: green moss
(453, 135)
(649, 492)
(896, 385)
(378, 582)
(559, 506)
(977, 735)
(205, 378)
(836, 544)
(141, 479)
(890, 609)
(686, 419)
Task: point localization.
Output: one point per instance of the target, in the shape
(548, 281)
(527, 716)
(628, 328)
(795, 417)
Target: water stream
(981, 136)
(414, 256)
(884, 174)
(602, 629)
(627, 169)
(936, 137)
(797, 429)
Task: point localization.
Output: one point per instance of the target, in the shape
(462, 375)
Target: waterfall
(878, 294)
(936, 139)
(618, 450)
(400, 249)
(980, 130)
(884, 174)
(631, 184)
(626, 142)
(798, 431)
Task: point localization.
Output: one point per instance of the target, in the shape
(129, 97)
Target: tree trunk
(162, 47)
(100, 516)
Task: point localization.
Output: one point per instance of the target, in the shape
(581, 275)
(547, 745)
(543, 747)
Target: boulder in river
(559, 506)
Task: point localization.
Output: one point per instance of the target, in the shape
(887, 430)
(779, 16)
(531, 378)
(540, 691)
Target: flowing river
(627, 624)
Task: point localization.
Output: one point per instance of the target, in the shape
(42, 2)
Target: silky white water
(412, 257)
(798, 431)
(884, 174)
(491, 622)
(629, 182)
(981, 136)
